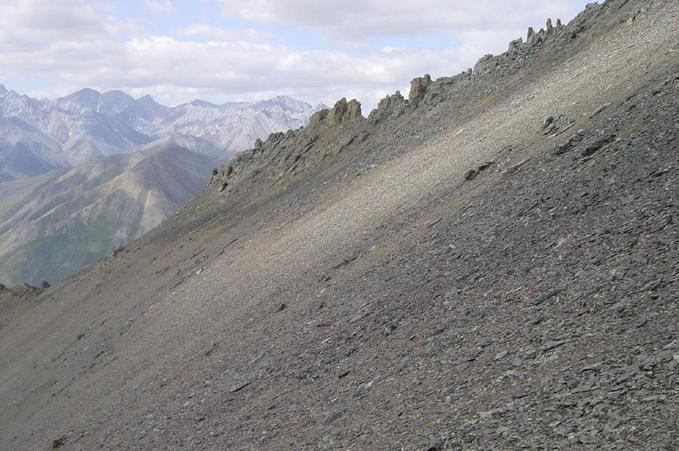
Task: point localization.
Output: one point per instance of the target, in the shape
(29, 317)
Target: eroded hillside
(488, 264)
(54, 225)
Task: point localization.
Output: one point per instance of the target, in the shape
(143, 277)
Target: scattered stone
(546, 297)
(508, 235)
(519, 393)
(495, 412)
(547, 122)
(389, 329)
(59, 442)
(556, 125)
(552, 345)
(433, 223)
(672, 345)
(597, 145)
(212, 349)
(515, 167)
(436, 445)
(561, 149)
(239, 387)
(627, 375)
(501, 355)
(366, 385)
(473, 173)
(592, 367)
(599, 110)
(621, 307)
(650, 362)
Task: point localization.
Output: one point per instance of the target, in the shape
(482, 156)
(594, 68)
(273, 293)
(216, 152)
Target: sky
(227, 50)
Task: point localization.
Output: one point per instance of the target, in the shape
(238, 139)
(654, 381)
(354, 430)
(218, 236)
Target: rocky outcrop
(289, 153)
(394, 104)
(484, 64)
(487, 74)
(344, 111)
(418, 88)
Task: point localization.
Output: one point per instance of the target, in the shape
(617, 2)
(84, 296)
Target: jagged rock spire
(344, 111)
(531, 33)
(388, 105)
(418, 88)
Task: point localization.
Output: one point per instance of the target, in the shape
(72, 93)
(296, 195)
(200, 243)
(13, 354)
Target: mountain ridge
(487, 264)
(88, 124)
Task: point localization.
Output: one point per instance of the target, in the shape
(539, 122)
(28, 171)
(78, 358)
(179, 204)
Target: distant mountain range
(40, 135)
(86, 173)
(53, 225)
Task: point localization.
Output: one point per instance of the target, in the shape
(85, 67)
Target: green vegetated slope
(12, 193)
(55, 224)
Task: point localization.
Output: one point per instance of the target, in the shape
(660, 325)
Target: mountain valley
(70, 187)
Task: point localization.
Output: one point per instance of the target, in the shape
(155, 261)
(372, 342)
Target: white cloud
(177, 70)
(160, 6)
(76, 44)
(223, 34)
(355, 19)
(26, 24)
